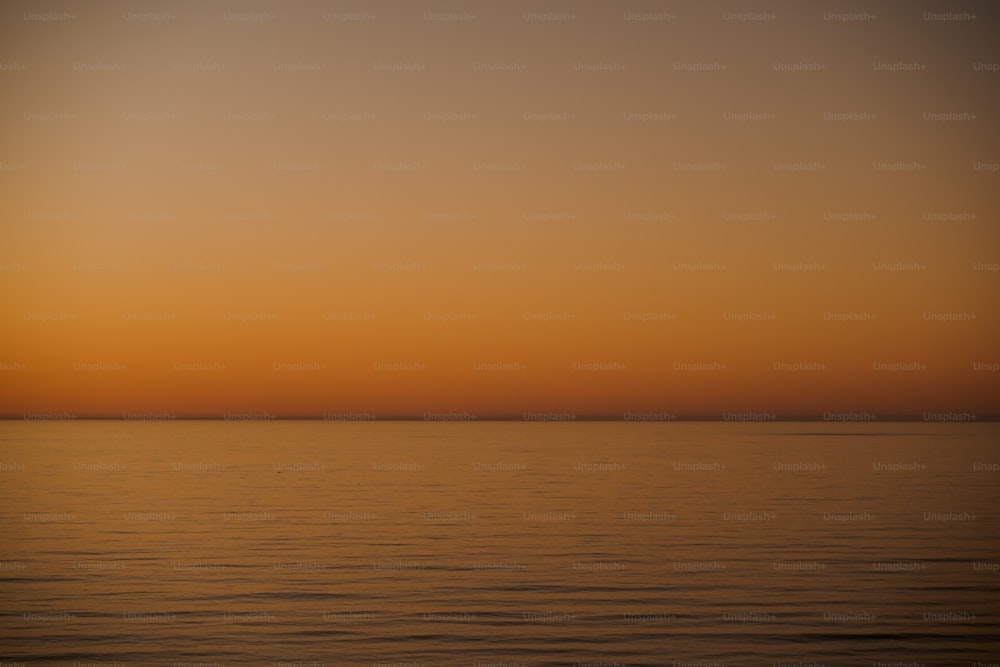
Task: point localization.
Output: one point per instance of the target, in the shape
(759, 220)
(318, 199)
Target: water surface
(500, 543)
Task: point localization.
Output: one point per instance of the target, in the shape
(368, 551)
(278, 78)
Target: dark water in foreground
(499, 543)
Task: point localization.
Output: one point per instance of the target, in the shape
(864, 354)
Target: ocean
(498, 543)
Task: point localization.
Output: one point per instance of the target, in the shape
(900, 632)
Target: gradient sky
(398, 209)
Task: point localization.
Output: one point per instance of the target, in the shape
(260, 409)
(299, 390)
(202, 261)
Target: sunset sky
(444, 209)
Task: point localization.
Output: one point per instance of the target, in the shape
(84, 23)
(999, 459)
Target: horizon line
(548, 416)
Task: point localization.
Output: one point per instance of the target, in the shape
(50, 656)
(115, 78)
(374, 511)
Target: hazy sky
(492, 208)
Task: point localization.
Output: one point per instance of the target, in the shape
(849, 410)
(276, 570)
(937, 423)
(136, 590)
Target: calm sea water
(414, 543)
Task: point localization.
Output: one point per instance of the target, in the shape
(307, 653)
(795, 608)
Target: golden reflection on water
(253, 543)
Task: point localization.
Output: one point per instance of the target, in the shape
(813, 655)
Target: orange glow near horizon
(402, 216)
